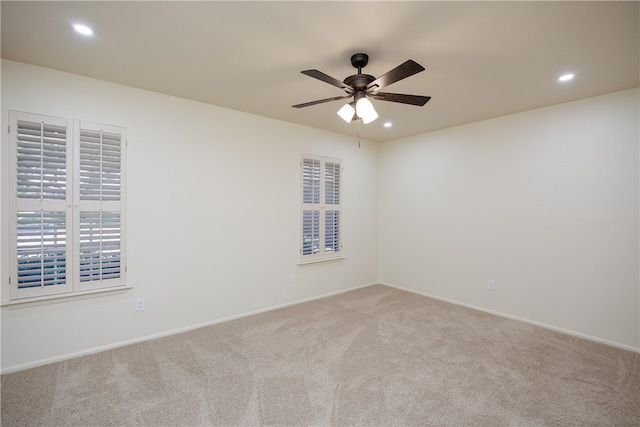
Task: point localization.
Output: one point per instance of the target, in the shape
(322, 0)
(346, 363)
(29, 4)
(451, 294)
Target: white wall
(544, 202)
(213, 216)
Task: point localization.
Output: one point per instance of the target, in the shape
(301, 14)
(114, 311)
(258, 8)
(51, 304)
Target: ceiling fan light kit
(347, 112)
(365, 110)
(364, 86)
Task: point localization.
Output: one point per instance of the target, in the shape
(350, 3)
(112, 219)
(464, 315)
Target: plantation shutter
(311, 206)
(67, 205)
(41, 204)
(321, 208)
(333, 207)
(100, 252)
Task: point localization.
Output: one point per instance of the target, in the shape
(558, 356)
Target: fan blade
(399, 97)
(327, 79)
(409, 68)
(320, 101)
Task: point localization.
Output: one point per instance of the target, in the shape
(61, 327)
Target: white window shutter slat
(311, 181)
(100, 255)
(310, 232)
(41, 160)
(41, 249)
(332, 231)
(100, 165)
(332, 183)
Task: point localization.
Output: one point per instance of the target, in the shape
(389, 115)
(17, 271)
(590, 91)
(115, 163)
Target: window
(321, 208)
(67, 206)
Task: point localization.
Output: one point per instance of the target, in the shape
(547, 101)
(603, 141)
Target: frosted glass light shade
(346, 112)
(365, 110)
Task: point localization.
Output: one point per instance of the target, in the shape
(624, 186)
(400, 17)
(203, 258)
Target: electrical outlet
(140, 304)
(292, 278)
(491, 284)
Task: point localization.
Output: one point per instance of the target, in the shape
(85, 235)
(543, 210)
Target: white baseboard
(118, 344)
(520, 319)
(94, 350)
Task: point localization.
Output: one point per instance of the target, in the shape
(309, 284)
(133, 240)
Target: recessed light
(83, 29)
(388, 124)
(566, 77)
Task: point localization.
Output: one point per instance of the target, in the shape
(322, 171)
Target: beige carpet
(374, 356)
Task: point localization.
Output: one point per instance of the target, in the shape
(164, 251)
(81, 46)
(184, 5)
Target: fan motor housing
(359, 81)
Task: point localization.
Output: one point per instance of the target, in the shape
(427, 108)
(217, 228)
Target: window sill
(55, 299)
(320, 261)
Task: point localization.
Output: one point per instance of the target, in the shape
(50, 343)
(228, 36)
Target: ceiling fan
(363, 86)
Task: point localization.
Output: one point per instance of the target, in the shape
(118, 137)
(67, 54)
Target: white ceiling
(482, 59)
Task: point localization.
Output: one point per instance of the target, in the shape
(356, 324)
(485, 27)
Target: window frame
(320, 199)
(72, 203)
